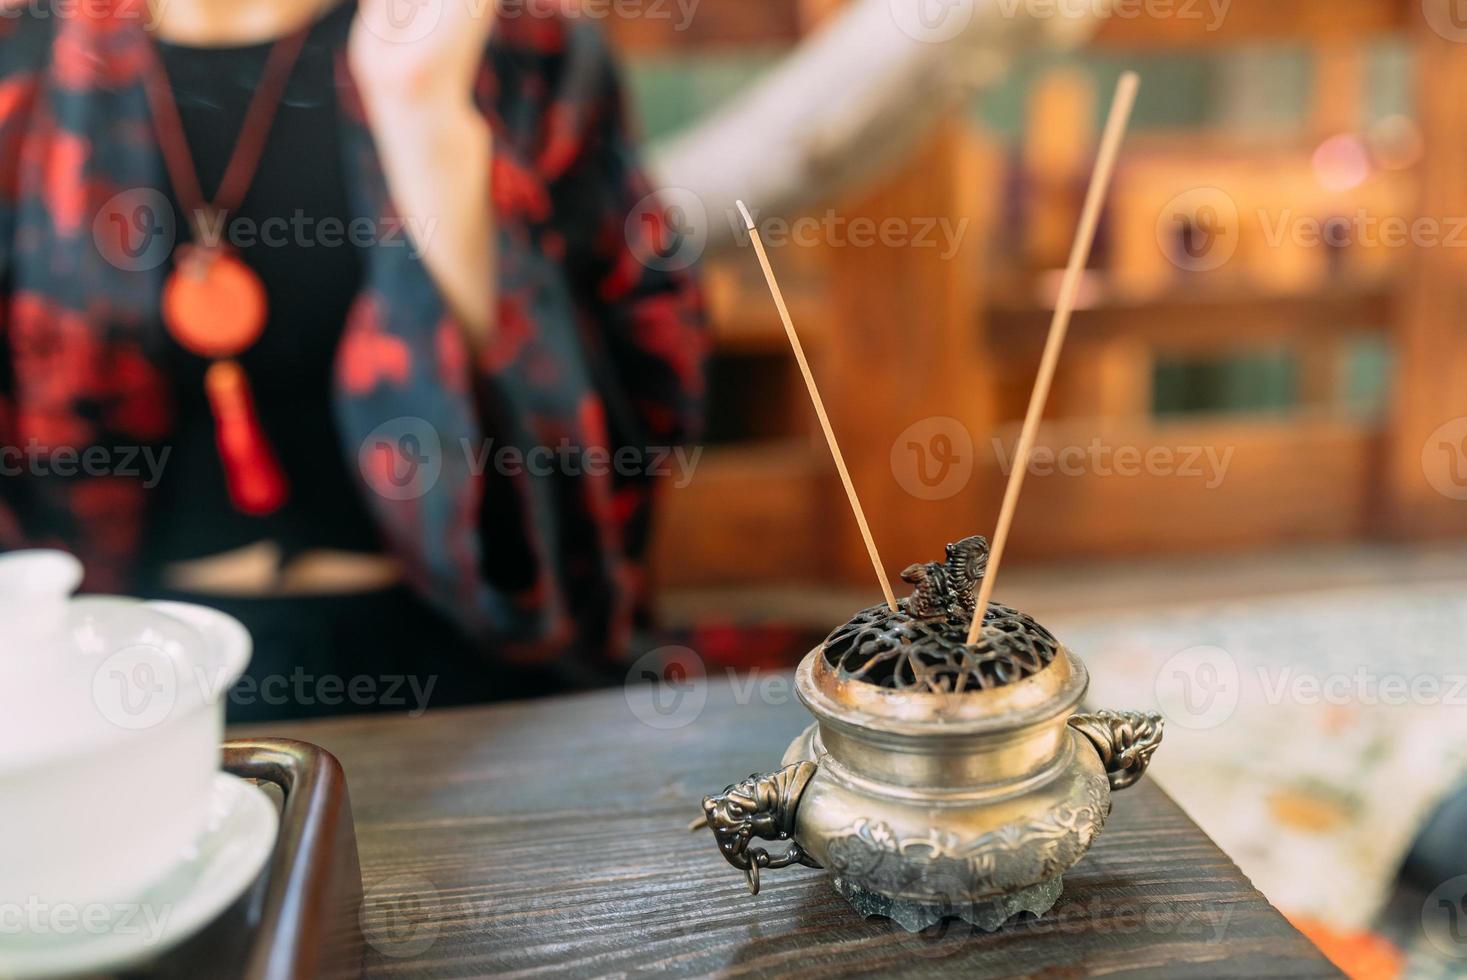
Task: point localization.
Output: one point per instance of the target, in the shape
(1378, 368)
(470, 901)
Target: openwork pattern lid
(922, 646)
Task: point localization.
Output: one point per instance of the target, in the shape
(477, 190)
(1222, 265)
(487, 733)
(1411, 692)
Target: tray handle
(309, 926)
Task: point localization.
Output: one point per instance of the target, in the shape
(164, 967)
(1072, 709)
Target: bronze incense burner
(938, 779)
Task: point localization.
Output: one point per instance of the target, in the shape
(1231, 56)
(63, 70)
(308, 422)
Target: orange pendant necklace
(213, 304)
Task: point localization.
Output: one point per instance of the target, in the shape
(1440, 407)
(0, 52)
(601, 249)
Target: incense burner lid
(921, 646)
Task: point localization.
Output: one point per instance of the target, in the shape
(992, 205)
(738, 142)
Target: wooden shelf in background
(735, 24)
(742, 314)
(1290, 478)
(1194, 23)
(747, 321)
(750, 513)
(1423, 483)
(1196, 319)
(904, 339)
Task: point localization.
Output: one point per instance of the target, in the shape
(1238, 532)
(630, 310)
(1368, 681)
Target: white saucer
(212, 872)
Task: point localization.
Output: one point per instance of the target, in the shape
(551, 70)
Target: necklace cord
(248, 147)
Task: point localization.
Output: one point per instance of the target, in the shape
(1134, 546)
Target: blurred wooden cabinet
(925, 354)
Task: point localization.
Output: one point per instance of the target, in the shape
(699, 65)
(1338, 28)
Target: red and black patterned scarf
(592, 349)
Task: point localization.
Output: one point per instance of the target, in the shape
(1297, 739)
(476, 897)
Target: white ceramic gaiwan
(111, 716)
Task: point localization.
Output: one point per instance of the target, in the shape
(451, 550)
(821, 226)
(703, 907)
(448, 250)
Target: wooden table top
(550, 838)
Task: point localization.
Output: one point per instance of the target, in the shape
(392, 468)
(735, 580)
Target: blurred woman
(291, 294)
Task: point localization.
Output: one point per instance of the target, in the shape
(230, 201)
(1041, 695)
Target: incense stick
(840, 463)
(1110, 144)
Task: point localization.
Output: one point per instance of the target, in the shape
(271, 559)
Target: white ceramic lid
(76, 673)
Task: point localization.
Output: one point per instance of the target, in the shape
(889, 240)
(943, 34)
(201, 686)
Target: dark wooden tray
(549, 839)
(300, 919)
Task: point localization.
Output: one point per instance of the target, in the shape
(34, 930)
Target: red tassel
(251, 472)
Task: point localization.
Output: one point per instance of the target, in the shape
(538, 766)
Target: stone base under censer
(988, 914)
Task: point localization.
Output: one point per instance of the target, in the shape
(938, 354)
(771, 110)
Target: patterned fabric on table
(1310, 735)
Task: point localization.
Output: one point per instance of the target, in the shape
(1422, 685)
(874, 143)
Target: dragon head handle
(762, 806)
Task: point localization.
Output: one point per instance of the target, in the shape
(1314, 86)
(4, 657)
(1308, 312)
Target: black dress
(316, 655)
